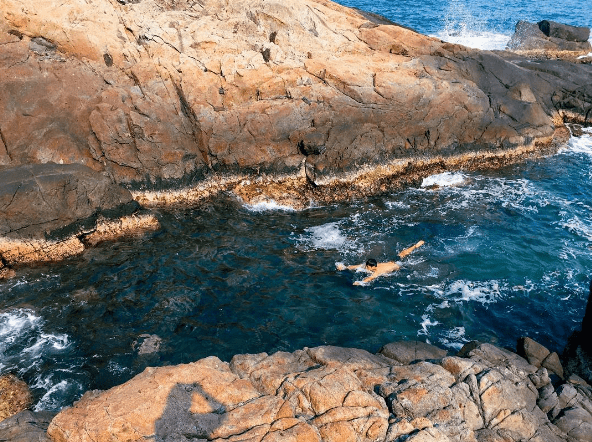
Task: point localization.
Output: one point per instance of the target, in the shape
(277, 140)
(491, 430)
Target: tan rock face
(179, 91)
(335, 394)
(14, 396)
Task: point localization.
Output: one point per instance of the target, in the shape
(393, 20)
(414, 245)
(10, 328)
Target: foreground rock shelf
(409, 391)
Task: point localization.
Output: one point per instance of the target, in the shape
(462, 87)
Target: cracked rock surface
(484, 393)
(296, 101)
(157, 91)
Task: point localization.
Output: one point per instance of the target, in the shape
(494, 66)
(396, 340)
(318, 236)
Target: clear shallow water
(507, 253)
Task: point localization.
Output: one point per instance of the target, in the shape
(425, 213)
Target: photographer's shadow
(190, 414)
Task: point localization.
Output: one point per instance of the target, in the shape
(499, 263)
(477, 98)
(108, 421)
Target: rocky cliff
(293, 100)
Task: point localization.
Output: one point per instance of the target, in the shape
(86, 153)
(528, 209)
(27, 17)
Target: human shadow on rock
(190, 414)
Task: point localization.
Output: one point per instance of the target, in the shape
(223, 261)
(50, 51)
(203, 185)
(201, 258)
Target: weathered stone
(492, 356)
(353, 359)
(43, 198)
(26, 426)
(576, 423)
(460, 368)
(268, 372)
(553, 364)
(541, 378)
(549, 38)
(212, 400)
(406, 352)
(563, 31)
(315, 391)
(15, 396)
(532, 351)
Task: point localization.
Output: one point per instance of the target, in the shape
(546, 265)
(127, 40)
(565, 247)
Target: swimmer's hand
(358, 283)
(340, 266)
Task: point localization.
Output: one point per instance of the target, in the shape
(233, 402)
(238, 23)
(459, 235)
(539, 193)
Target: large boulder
(294, 101)
(51, 211)
(549, 38)
(15, 396)
(26, 426)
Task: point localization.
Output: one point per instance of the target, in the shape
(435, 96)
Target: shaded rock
(577, 355)
(41, 200)
(549, 38)
(406, 352)
(553, 364)
(26, 426)
(532, 351)
(15, 396)
(351, 358)
(563, 31)
(204, 400)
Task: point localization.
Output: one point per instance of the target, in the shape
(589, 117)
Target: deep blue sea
(508, 253)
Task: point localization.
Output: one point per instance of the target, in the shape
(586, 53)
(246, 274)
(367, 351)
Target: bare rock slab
(39, 199)
(406, 352)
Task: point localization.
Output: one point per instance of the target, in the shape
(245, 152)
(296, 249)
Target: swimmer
(378, 268)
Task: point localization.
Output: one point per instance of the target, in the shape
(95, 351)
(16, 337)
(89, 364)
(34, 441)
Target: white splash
(51, 399)
(582, 144)
(454, 338)
(484, 292)
(578, 227)
(326, 236)
(487, 41)
(425, 323)
(268, 206)
(462, 27)
(445, 179)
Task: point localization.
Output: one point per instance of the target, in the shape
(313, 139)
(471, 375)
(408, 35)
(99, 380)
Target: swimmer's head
(371, 263)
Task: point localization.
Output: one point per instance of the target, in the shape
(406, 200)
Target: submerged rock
(336, 394)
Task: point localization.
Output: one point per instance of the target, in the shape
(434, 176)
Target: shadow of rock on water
(190, 414)
(577, 355)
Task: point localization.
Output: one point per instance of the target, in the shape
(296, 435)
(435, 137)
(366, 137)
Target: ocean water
(507, 253)
(482, 24)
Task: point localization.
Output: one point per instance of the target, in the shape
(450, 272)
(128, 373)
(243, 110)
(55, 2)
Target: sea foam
(268, 206)
(445, 179)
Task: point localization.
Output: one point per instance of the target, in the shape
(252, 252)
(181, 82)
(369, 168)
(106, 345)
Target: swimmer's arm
(367, 279)
(341, 266)
(407, 251)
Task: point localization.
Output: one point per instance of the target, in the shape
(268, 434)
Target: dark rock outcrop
(577, 355)
(50, 211)
(39, 199)
(564, 32)
(26, 426)
(550, 39)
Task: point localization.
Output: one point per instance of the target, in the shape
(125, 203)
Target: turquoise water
(508, 253)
